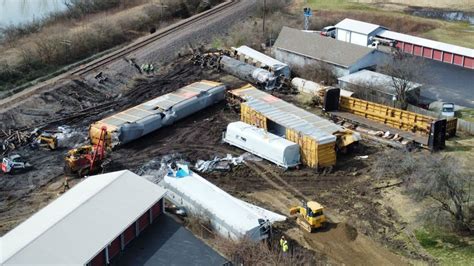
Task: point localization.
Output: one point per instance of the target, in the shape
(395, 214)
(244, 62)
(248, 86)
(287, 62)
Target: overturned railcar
(164, 110)
(261, 60)
(266, 145)
(316, 136)
(260, 77)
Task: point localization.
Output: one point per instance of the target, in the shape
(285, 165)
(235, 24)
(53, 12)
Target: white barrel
(307, 86)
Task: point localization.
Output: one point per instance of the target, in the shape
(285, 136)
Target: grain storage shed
(316, 136)
(264, 144)
(228, 216)
(162, 111)
(88, 225)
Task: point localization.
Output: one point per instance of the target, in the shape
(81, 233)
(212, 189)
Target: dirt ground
(364, 229)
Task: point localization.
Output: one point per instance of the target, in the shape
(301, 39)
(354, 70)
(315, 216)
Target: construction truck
(87, 159)
(14, 163)
(310, 216)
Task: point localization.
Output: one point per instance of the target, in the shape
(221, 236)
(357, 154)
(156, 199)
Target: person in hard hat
(66, 184)
(284, 244)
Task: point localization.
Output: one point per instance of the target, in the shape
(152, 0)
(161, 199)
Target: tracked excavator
(87, 159)
(310, 216)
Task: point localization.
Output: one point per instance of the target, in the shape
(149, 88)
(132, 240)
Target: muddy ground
(365, 230)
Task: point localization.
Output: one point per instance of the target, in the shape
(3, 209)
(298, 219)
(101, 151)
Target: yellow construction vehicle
(87, 159)
(48, 140)
(309, 216)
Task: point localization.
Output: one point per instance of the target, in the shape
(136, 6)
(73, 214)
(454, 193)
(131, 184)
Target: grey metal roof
(76, 226)
(160, 103)
(297, 119)
(263, 58)
(322, 48)
(357, 26)
(289, 115)
(375, 80)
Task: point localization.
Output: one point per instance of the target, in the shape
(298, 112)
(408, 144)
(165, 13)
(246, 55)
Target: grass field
(448, 248)
(457, 33)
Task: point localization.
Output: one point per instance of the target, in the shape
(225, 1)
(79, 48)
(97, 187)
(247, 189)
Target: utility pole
(264, 14)
(307, 14)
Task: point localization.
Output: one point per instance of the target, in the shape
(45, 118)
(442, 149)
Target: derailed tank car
(264, 144)
(261, 77)
(164, 110)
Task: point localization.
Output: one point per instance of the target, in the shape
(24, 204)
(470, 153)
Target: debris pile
(220, 164)
(225, 163)
(13, 139)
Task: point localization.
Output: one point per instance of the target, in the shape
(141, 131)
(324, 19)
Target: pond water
(445, 15)
(14, 12)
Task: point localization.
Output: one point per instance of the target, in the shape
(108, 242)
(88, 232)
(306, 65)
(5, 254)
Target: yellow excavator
(310, 216)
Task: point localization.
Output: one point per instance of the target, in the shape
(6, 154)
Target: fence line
(463, 125)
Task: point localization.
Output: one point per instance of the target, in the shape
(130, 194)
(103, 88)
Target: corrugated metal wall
(312, 154)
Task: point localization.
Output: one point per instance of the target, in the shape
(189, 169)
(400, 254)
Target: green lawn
(457, 33)
(448, 248)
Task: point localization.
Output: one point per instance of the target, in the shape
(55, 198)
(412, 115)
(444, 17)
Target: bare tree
(440, 178)
(319, 72)
(405, 71)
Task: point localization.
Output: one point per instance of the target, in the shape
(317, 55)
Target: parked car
(448, 110)
(329, 31)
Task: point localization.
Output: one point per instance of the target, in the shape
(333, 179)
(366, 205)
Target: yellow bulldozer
(48, 140)
(310, 216)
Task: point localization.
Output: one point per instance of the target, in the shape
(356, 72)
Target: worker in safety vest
(284, 244)
(65, 185)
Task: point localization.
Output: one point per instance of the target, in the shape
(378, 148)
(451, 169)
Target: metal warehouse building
(88, 225)
(362, 33)
(298, 48)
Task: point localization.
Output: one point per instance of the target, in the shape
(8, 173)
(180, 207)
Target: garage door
(469, 62)
(360, 39)
(98, 260)
(458, 60)
(143, 221)
(427, 52)
(156, 209)
(417, 50)
(343, 35)
(114, 248)
(129, 234)
(408, 48)
(437, 55)
(447, 57)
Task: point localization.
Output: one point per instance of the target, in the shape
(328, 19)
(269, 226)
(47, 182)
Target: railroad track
(107, 59)
(159, 35)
